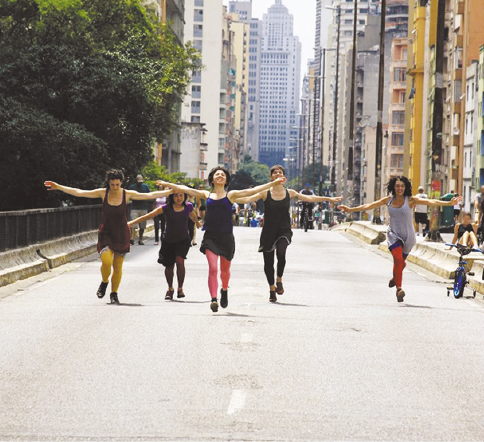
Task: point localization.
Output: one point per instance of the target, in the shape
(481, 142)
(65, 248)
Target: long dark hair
(171, 200)
(113, 174)
(405, 180)
(212, 173)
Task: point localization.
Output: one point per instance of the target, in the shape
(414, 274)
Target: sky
(304, 12)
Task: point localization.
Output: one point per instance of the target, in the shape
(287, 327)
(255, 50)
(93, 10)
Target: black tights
(281, 246)
(180, 272)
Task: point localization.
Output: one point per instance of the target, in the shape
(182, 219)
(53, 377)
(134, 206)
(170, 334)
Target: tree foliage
(257, 171)
(86, 85)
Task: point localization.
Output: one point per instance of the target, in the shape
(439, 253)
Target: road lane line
(237, 401)
(246, 338)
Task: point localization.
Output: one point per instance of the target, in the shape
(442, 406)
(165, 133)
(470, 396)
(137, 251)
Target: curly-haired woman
(218, 240)
(114, 234)
(400, 234)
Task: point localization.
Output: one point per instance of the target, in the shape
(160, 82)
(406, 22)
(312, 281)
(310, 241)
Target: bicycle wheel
(459, 283)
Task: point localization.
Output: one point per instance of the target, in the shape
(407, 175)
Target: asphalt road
(336, 359)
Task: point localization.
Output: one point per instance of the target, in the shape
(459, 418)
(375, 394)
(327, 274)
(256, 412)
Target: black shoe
(279, 288)
(101, 291)
(169, 295)
(180, 293)
(141, 243)
(400, 295)
(272, 296)
(214, 305)
(224, 302)
(131, 241)
(114, 298)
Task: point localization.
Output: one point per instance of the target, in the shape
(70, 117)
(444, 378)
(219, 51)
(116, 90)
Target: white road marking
(237, 401)
(246, 338)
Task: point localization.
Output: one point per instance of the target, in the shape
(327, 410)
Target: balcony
(203, 147)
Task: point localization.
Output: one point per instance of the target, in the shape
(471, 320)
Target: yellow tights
(115, 260)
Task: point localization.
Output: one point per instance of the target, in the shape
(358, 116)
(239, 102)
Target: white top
(421, 208)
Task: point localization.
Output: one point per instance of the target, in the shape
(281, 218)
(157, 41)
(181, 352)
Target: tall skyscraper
(244, 10)
(280, 68)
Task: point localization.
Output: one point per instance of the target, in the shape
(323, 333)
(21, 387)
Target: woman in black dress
(276, 233)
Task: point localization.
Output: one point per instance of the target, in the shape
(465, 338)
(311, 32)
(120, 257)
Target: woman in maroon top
(114, 234)
(176, 238)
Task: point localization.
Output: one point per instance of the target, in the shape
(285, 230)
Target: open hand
(344, 208)
(280, 180)
(51, 185)
(455, 200)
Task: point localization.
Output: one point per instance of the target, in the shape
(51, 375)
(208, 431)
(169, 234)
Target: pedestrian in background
(139, 208)
(114, 235)
(159, 220)
(420, 214)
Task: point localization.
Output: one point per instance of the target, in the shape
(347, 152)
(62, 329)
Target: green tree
(104, 71)
(257, 171)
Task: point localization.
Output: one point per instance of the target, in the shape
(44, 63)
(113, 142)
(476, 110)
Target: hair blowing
(404, 180)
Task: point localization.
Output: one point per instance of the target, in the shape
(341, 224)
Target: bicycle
(461, 273)
(306, 220)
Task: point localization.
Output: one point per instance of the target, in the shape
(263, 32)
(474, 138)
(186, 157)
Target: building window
(195, 107)
(195, 119)
(198, 45)
(396, 161)
(198, 2)
(196, 76)
(198, 30)
(198, 15)
(398, 117)
(196, 91)
(397, 139)
(399, 75)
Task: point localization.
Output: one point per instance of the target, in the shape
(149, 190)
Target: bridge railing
(27, 227)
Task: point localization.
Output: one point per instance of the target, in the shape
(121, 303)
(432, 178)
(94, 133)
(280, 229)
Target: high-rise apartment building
(209, 100)
(243, 9)
(279, 82)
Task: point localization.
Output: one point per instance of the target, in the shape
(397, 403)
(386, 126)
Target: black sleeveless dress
(114, 231)
(277, 222)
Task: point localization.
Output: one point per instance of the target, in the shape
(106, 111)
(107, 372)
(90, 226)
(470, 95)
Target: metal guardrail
(27, 227)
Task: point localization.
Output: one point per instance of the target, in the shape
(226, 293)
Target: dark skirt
(269, 239)
(222, 244)
(169, 251)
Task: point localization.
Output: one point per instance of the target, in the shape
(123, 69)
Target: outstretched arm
(416, 200)
(314, 198)
(363, 207)
(184, 189)
(253, 198)
(96, 193)
(133, 195)
(234, 195)
(148, 216)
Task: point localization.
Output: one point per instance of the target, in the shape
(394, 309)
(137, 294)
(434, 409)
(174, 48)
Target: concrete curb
(35, 259)
(370, 233)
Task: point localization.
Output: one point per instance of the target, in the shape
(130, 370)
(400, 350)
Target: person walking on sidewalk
(218, 240)
(401, 233)
(276, 233)
(139, 208)
(421, 218)
(114, 234)
(159, 220)
(175, 243)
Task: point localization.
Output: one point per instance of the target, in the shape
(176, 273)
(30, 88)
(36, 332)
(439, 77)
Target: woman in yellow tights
(114, 234)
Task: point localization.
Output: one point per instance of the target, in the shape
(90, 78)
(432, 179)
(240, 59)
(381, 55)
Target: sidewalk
(429, 255)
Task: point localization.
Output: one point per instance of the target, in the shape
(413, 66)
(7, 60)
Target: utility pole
(335, 104)
(315, 104)
(350, 156)
(437, 123)
(379, 124)
(323, 83)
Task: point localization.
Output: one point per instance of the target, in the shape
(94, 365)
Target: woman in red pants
(400, 233)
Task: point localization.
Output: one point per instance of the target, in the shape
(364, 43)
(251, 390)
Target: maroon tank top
(114, 231)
